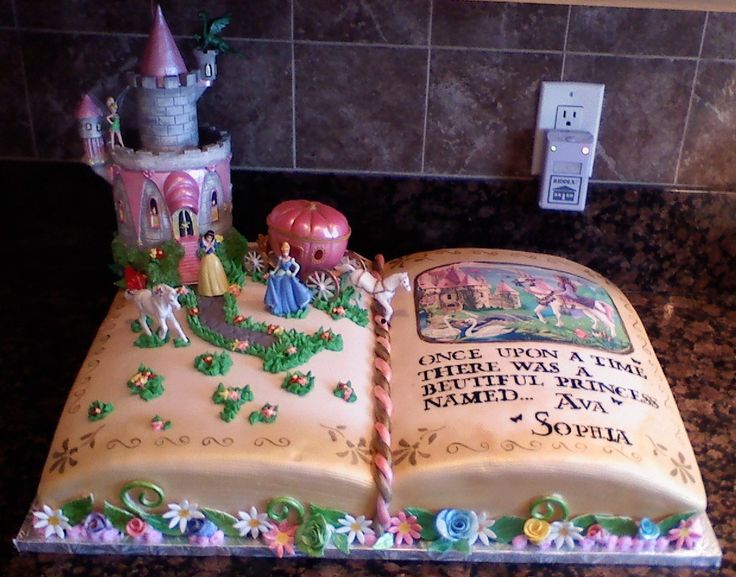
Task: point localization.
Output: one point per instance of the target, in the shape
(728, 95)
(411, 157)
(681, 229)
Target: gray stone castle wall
(167, 112)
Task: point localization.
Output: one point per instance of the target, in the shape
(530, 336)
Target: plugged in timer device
(568, 159)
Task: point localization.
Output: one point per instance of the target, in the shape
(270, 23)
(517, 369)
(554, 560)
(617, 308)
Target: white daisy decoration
(485, 533)
(564, 533)
(52, 522)
(355, 527)
(254, 523)
(181, 513)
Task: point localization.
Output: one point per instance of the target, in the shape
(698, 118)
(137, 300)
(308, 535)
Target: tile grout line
(293, 92)
(690, 101)
(564, 45)
(426, 88)
(24, 76)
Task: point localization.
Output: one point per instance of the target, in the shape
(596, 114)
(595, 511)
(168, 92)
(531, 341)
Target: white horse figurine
(382, 290)
(159, 304)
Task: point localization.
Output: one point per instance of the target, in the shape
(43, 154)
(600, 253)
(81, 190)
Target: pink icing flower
(238, 319)
(193, 312)
(405, 528)
(274, 329)
(581, 334)
(292, 350)
(624, 543)
(241, 345)
(587, 544)
(597, 533)
(182, 290)
(156, 426)
(686, 534)
(326, 336)
(339, 311)
(136, 527)
(280, 538)
(268, 410)
(519, 542)
(234, 289)
(152, 536)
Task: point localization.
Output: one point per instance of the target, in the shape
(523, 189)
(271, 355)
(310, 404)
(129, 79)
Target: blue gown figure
(285, 294)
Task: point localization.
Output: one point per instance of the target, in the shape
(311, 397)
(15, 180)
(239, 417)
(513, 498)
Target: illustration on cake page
(496, 302)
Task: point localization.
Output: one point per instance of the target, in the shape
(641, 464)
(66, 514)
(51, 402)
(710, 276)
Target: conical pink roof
(161, 56)
(88, 108)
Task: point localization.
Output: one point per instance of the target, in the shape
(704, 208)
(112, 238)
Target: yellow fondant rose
(536, 530)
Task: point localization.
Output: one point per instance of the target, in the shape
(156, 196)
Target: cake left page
(167, 418)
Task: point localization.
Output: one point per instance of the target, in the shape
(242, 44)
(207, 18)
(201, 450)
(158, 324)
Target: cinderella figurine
(285, 294)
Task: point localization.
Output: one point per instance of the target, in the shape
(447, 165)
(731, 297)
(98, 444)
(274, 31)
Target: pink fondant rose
(136, 527)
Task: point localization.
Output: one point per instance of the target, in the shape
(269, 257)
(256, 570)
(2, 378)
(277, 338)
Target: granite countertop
(55, 297)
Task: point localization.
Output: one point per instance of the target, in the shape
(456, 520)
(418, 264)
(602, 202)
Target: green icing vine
(267, 414)
(146, 384)
(231, 398)
(231, 251)
(98, 410)
(345, 391)
(212, 364)
(298, 383)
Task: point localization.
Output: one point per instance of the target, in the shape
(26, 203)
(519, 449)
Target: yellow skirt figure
(212, 278)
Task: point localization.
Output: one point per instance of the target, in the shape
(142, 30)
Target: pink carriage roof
(309, 220)
(161, 56)
(88, 108)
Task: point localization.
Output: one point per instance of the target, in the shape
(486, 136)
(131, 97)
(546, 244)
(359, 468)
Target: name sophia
(577, 430)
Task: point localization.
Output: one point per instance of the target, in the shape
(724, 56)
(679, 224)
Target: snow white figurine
(285, 294)
(212, 277)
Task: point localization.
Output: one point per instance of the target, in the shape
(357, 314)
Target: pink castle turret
(89, 118)
(171, 186)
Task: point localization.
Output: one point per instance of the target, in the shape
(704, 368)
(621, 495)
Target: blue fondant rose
(207, 529)
(648, 529)
(457, 524)
(194, 526)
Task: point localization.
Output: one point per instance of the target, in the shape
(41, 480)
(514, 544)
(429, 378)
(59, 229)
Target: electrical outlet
(567, 106)
(569, 118)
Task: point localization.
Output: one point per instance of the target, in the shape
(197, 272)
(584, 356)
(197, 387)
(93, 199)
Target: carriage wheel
(254, 262)
(354, 260)
(323, 284)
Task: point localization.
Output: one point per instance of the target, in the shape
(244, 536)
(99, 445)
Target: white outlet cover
(553, 94)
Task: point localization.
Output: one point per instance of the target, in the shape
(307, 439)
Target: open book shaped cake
(514, 410)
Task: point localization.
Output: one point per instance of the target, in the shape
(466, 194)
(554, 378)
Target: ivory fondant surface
(467, 434)
(228, 466)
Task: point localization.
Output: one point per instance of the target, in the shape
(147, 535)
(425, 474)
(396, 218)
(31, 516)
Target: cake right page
(519, 375)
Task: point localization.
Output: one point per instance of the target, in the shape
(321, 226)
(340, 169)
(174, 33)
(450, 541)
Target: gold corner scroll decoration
(356, 451)
(68, 454)
(417, 448)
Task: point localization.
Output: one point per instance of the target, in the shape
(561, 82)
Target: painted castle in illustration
(172, 180)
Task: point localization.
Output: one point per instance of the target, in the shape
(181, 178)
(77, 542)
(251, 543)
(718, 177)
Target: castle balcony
(214, 148)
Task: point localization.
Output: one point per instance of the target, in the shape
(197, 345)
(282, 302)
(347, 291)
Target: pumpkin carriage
(318, 236)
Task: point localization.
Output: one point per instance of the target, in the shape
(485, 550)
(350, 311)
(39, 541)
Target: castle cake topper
(171, 178)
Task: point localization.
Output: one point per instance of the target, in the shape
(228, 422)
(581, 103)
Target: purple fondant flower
(519, 542)
(95, 523)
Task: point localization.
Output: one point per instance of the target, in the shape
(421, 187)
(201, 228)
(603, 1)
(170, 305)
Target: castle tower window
(214, 210)
(208, 70)
(154, 217)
